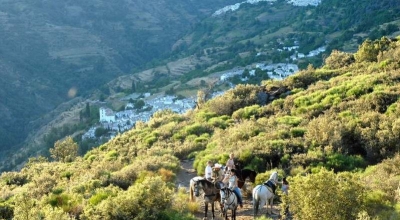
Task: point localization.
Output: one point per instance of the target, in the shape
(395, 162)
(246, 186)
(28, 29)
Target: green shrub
(98, 197)
(148, 199)
(290, 120)
(338, 59)
(14, 178)
(112, 155)
(247, 112)
(325, 195)
(67, 174)
(6, 211)
(297, 132)
(197, 129)
(340, 162)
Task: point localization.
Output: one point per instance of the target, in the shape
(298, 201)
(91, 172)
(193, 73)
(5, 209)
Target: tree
(339, 59)
(133, 87)
(87, 110)
(139, 104)
(369, 50)
(201, 98)
(100, 132)
(64, 150)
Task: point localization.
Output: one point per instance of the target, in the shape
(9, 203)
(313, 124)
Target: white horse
(230, 201)
(264, 194)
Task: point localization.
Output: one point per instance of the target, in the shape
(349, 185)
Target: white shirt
(208, 172)
(232, 182)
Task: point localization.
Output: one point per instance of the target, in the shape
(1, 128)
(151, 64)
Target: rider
(230, 164)
(208, 171)
(233, 185)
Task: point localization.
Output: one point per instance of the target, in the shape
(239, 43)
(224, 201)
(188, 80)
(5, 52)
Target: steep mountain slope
(51, 51)
(342, 117)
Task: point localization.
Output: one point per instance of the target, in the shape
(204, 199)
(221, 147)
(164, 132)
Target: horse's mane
(249, 170)
(204, 181)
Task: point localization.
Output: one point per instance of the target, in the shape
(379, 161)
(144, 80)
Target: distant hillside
(52, 51)
(237, 36)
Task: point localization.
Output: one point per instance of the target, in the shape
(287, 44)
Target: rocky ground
(246, 213)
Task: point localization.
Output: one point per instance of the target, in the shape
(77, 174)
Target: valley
(99, 56)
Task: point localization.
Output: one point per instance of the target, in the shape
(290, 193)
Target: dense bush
(325, 195)
(339, 59)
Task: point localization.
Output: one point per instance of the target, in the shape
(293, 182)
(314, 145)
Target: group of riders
(230, 178)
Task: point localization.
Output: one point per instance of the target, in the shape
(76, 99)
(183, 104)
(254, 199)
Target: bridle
(196, 188)
(227, 194)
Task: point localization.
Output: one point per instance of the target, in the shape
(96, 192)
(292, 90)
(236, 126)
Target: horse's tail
(256, 200)
(256, 204)
(191, 193)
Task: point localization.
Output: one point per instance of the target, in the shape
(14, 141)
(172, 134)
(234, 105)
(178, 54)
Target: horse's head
(274, 176)
(224, 194)
(252, 176)
(196, 188)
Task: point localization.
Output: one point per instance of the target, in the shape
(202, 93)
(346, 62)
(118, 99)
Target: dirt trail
(246, 213)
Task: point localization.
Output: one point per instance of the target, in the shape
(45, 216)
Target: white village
(119, 122)
(237, 5)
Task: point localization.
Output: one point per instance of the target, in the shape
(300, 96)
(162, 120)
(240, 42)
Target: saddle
(271, 185)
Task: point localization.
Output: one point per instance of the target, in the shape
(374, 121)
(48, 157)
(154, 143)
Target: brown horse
(243, 174)
(211, 194)
(217, 175)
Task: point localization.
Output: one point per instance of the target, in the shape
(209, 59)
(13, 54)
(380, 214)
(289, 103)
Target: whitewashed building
(106, 115)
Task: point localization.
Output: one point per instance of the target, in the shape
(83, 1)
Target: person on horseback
(232, 180)
(230, 164)
(208, 171)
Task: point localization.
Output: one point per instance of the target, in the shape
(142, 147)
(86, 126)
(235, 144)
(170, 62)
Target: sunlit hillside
(339, 124)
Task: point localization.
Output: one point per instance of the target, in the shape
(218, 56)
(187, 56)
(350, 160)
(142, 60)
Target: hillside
(338, 124)
(53, 51)
(64, 52)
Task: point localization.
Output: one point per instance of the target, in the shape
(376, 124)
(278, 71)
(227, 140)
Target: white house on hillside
(106, 115)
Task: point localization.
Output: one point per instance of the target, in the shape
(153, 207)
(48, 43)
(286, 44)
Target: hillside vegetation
(339, 124)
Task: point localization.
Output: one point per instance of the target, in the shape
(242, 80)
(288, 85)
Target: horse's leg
(221, 208)
(270, 201)
(256, 203)
(212, 210)
(205, 209)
